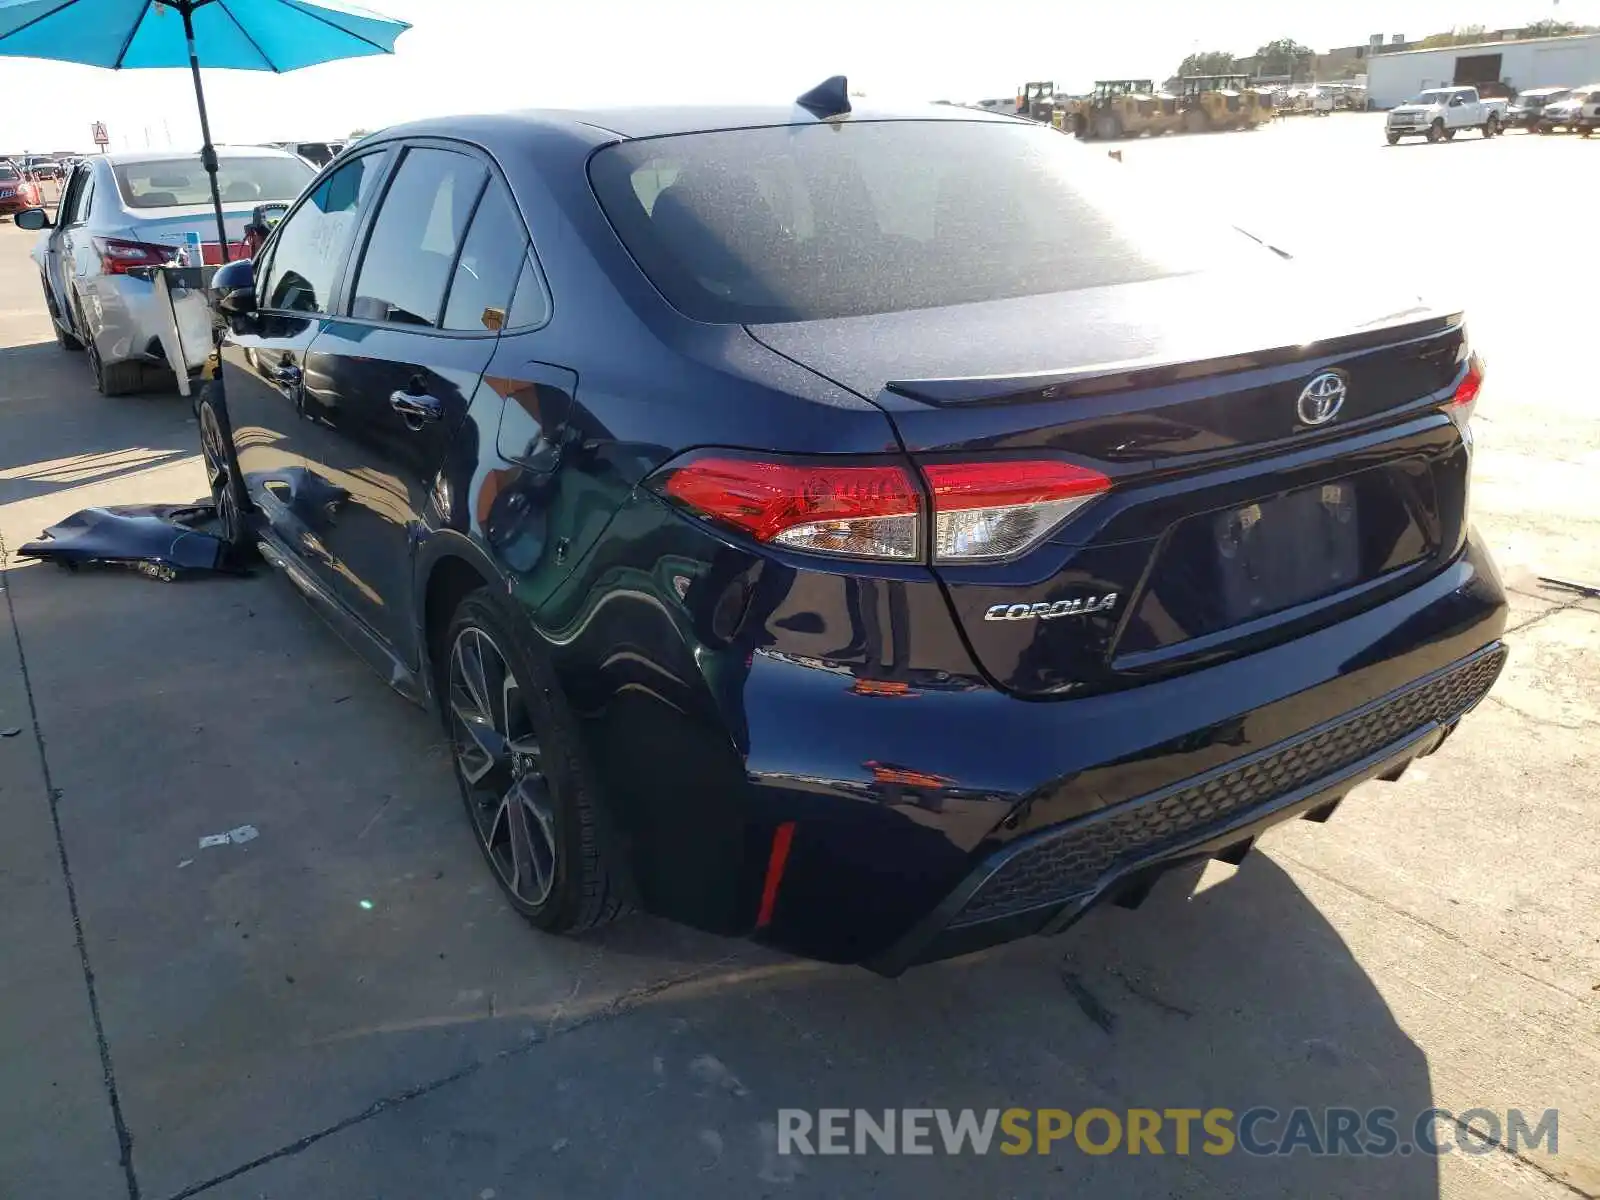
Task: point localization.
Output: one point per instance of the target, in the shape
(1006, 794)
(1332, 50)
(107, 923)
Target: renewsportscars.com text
(1257, 1131)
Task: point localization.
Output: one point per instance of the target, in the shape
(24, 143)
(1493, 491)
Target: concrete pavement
(256, 1029)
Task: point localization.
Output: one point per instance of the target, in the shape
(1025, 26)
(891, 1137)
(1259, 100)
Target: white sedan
(121, 212)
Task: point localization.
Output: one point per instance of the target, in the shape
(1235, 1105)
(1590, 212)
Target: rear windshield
(804, 222)
(170, 182)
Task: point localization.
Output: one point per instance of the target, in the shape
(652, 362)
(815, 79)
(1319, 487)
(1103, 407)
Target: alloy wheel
(501, 763)
(214, 449)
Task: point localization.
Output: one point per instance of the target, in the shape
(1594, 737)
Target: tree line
(1285, 56)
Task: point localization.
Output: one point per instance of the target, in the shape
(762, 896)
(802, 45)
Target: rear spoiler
(1419, 324)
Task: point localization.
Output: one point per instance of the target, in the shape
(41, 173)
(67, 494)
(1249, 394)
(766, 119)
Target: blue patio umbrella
(244, 35)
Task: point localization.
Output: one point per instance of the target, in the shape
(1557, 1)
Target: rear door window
(495, 249)
(411, 252)
(313, 240)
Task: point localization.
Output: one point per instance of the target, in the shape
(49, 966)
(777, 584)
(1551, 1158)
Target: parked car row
(1574, 110)
(1440, 113)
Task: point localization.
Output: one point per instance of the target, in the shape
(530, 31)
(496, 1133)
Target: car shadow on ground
(1241, 997)
(63, 435)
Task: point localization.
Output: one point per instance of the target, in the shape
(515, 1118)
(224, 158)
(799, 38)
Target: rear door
(264, 366)
(390, 379)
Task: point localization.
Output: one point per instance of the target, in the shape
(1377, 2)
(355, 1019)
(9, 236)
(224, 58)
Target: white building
(1533, 62)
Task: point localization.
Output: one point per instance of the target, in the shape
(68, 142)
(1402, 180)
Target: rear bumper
(933, 825)
(1047, 881)
(125, 317)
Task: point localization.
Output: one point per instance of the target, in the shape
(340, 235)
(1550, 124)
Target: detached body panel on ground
(860, 576)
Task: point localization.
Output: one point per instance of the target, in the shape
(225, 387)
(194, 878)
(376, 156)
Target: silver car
(121, 212)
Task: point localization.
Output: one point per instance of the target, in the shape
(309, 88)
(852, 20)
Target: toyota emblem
(1322, 398)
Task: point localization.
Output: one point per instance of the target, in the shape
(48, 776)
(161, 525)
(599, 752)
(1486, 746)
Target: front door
(71, 214)
(397, 372)
(264, 362)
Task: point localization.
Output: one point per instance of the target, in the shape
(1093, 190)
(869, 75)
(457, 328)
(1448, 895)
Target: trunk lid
(170, 226)
(1232, 521)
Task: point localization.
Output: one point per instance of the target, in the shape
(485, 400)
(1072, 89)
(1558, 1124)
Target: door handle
(416, 409)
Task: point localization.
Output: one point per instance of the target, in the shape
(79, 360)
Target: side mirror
(32, 218)
(233, 289)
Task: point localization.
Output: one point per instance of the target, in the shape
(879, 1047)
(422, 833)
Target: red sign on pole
(101, 137)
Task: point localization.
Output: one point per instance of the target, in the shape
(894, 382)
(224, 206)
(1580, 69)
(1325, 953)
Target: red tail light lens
(117, 257)
(992, 510)
(1466, 394)
(855, 511)
(982, 511)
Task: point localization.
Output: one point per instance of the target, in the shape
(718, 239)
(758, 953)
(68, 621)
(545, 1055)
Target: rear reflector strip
(777, 860)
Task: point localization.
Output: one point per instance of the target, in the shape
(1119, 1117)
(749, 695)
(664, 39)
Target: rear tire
(1492, 126)
(112, 379)
(1196, 121)
(1107, 127)
(532, 780)
(222, 471)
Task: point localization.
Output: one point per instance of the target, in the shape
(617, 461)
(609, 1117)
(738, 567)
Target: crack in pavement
(53, 795)
(1579, 727)
(1557, 607)
(621, 1006)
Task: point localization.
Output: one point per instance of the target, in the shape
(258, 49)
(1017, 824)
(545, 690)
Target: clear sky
(490, 55)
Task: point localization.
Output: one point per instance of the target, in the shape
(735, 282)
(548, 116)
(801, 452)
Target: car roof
(607, 124)
(130, 157)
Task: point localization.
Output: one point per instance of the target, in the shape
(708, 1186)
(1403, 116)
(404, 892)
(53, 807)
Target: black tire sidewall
(582, 845)
(238, 540)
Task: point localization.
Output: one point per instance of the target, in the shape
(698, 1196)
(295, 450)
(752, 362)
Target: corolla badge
(1046, 611)
(1323, 397)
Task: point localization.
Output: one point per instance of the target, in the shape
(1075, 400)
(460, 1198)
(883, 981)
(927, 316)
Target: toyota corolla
(860, 531)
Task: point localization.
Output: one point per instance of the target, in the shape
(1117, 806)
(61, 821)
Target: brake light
(1465, 398)
(856, 511)
(982, 511)
(990, 510)
(118, 257)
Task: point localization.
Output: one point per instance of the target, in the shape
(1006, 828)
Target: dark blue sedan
(882, 534)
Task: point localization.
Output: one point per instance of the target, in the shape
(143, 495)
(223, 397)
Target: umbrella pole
(208, 152)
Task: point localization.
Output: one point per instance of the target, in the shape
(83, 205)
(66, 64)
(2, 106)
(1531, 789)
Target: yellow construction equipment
(1121, 108)
(1219, 102)
(1037, 102)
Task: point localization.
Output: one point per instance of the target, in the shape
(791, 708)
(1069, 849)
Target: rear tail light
(1465, 398)
(118, 257)
(982, 511)
(854, 511)
(991, 510)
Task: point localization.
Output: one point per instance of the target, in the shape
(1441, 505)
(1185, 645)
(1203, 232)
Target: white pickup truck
(1440, 113)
